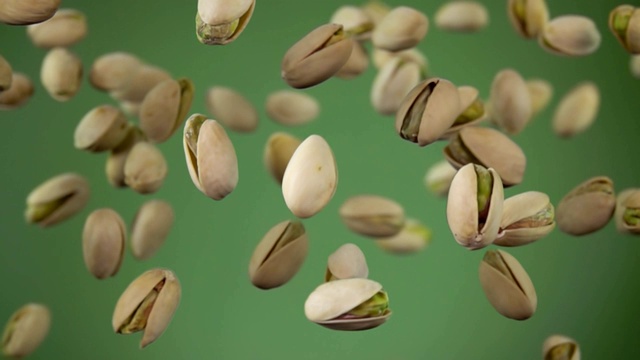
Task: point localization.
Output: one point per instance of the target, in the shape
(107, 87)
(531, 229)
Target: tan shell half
(517, 208)
(347, 262)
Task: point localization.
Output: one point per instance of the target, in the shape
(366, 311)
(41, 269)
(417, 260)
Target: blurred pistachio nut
(18, 93)
(117, 158)
(66, 28)
(507, 285)
(150, 228)
(376, 10)
(528, 17)
(560, 347)
(348, 304)
(577, 110)
(526, 218)
(26, 12)
(316, 57)
(101, 129)
(103, 238)
(372, 215)
(231, 109)
(219, 22)
(26, 330)
(624, 23)
(472, 110)
(355, 21)
(165, 107)
(357, 64)
(474, 206)
(57, 199)
(148, 305)
(438, 178)
(510, 101)
(587, 208)
(540, 92)
(392, 84)
(345, 263)
(634, 66)
(291, 108)
(211, 157)
(113, 71)
(627, 213)
(381, 57)
(143, 81)
(279, 255)
(413, 238)
(145, 168)
(402, 28)
(61, 73)
(462, 16)
(6, 74)
(570, 35)
(277, 153)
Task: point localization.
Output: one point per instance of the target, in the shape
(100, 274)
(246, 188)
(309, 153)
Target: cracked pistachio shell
(164, 108)
(381, 57)
(26, 12)
(66, 28)
(117, 158)
(507, 285)
(18, 94)
(392, 83)
(413, 238)
(428, 111)
(144, 80)
(291, 108)
(510, 101)
(402, 28)
(57, 199)
(231, 109)
(438, 178)
(570, 35)
(26, 330)
(331, 300)
(472, 111)
(103, 238)
(462, 16)
(114, 70)
(311, 177)
(61, 74)
(277, 153)
(588, 207)
(634, 66)
(624, 23)
(474, 206)
(376, 10)
(560, 347)
(627, 213)
(372, 215)
(279, 255)
(347, 262)
(357, 64)
(219, 22)
(145, 168)
(354, 20)
(150, 228)
(148, 305)
(6, 74)
(211, 157)
(528, 17)
(526, 218)
(577, 110)
(101, 129)
(316, 57)
(540, 92)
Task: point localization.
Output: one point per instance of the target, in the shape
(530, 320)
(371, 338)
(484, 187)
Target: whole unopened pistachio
(372, 215)
(634, 66)
(219, 22)
(103, 128)
(6, 74)
(507, 285)
(345, 263)
(402, 28)
(66, 28)
(114, 168)
(474, 206)
(570, 35)
(150, 228)
(587, 208)
(18, 94)
(231, 109)
(113, 71)
(560, 347)
(291, 108)
(145, 78)
(510, 101)
(355, 21)
(316, 57)
(277, 153)
(103, 239)
(26, 12)
(311, 177)
(381, 57)
(279, 255)
(165, 107)
(61, 73)
(57, 199)
(211, 157)
(145, 168)
(26, 330)
(358, 62)
(624, 23)
(392, 84)
(528, 17)
(472, 110)
(438, 178)
(413, 238)
(148, 304)
(577, 110)
(627, 213)
(376, 10)
(540, 92)
(462, 16)
(348, 304)
(526, 218)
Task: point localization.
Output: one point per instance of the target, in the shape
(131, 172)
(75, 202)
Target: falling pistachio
(57, 199)
(219, 22)
(588, 207)
(26, 330)
(347, 262)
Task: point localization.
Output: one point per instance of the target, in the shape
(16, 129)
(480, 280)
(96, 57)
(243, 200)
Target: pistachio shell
(357, 63)
(143, 81)
(222, 11)
(392, 84)
(164, 108)
(18, 94)
(376, 10)
(232, 109)
(402, 28)
(114, 70)
(587, 208)
(510, 101)
(114, 168)
(291, 108)
(61, 74)
(150, 228)
(372, 215)
(219, 22)
(332, 299)
(101, 129)
(354, 20)
(629, 36)
(6, 74)
(462, 16)
(438, 178)
(577, 110)
(413, 238)
(57, 199)
(628, 211)
(145, 168)
(347, 262)
(634, 66)
(103, 238)
(277, 153)
(26, 12)
(528, 17)
(560, 347)
(66, 28)
(26, 330)
(540, 92)
(570, 35)
(526, 218)
(381, 57)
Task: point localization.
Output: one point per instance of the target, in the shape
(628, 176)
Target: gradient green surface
(587, 287)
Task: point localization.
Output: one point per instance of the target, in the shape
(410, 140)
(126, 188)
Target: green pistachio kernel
(459, 152)
(543, 217)
(473, 112)
(561, 352)
(39, 212)
(377, 305)
(519, 10)
(336, 37)
(413, 118)
(632, 217)
(420, 230)
(359, 30)
(621, 23)
(485, 185)
(138, 319)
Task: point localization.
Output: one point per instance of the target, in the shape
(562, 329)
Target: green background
(587, 287)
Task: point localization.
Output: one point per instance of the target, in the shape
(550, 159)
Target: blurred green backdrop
(587, 287)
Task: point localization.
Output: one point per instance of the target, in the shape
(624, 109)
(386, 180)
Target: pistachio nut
(413, 238)
(165, 107)
(345, 263)
(438, 178)
(279, 255)
(570, 35)
(381, 57)
(560, 347)
(489, 148)
(402, 28)
(577, 110)
(311, 177)
(26, 330)
(392, 84)
(627, 213)
(316, 57)
(57, 199)
(277, 153)
(376, 10)
(357, 63)
(143, 81)
(472, 110)
(211, 157)
(66, 28)
(528, 17)
(474, 206)
(587, 208)
(372, 215)
(114, 70)
(6, 74)
(526, 218)
(462, 16)
(145, 168)
(291, 108)
(117, 158)
(634, 66)
(150, 228)
(103, 238)
(348, 304)
(101, 129)
(61, 73)
(26, 12)
(510, 101)
(355, 21)
(624, 23)
(219, 22)
(18, 94)
(507, 285)
(231, 109)
(540, 92)
(148, 304)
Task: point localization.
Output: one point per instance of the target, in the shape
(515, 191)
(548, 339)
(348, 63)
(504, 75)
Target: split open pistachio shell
(345, 263)
(114, 70)
(232, 109)
(392, 84)
(462, 16)
(540, 92)
(474, 206)
(624, 23)
(357, 63)
(61, 74)
(57, 199)
(413, 238)
(18, 94)
(103, 238)
(627, 213)
(438, 178)
(26, 330)
(26, 12)
(577, 110)
(148, 305)
(150, 228)
(165, 107)
(6, 74)
(570, 35)
(507, 285)
(402, 28)
(316, 57)
(277, 153)
(66, 28)
(291, 108)
(145, 78)
(634, 66)
(219, 22)
(526, 218)
(381, 57)
(560, 347)
(588, 207)
(528, 17)
(311, 177)
(472, 110)
(101, 129)
(145, 168)
(510, 101)
(355, 21)
(279, 255)
(117, 158)
(372, 215)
